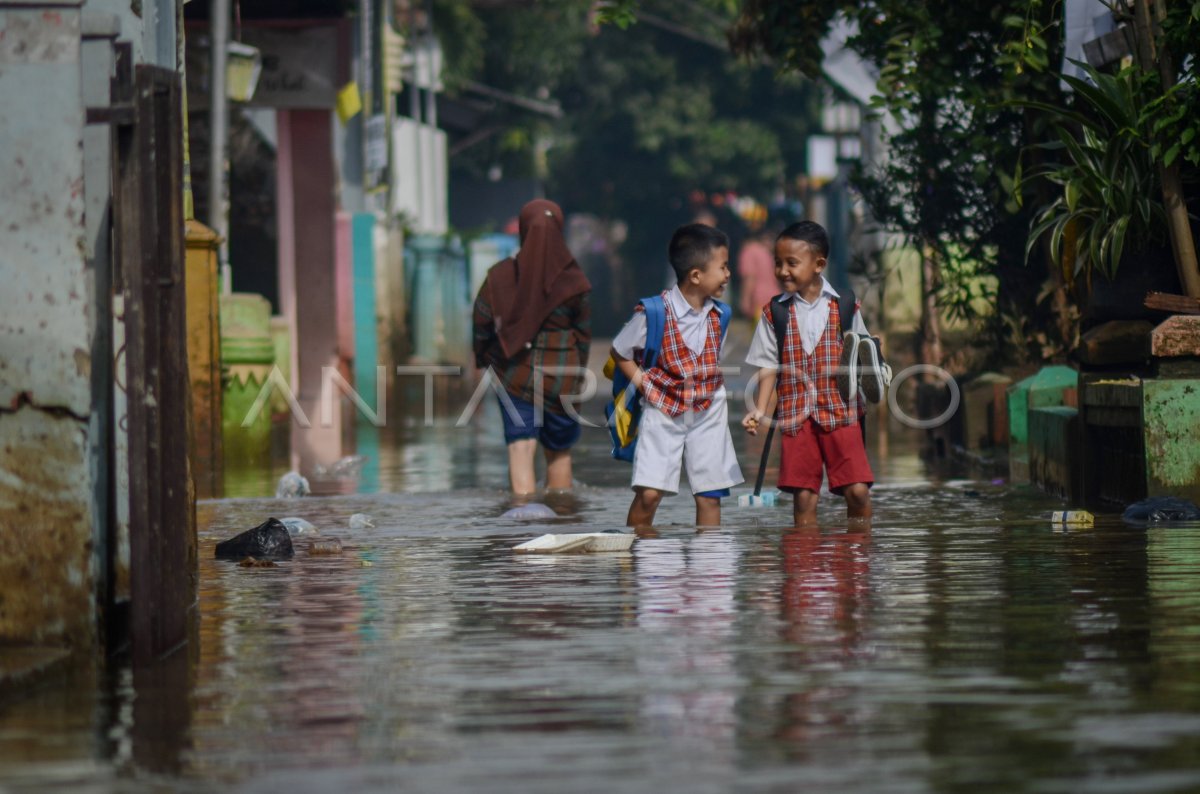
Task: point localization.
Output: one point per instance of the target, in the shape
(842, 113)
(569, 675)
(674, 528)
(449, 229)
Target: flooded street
(960, 645)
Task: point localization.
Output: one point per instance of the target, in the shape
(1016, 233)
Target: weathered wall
(45, 529)
(46, 311)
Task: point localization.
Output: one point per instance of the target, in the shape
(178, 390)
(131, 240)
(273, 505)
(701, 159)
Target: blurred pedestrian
(532, 326)
(756, 271)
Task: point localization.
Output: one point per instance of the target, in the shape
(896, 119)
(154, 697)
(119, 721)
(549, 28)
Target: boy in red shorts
(819, 423)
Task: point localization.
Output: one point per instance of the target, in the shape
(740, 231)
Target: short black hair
(808, 232)
(691, 246)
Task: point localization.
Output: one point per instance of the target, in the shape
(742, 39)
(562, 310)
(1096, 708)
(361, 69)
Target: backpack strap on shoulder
(780, 312)
(725, 317)
(847, 305)
(656, 317)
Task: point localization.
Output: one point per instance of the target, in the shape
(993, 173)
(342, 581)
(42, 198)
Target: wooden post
(163, 569)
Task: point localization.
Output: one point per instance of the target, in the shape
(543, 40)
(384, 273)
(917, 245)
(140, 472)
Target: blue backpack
(623, 413)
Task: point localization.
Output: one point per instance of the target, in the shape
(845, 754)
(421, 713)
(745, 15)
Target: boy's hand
(752, 420)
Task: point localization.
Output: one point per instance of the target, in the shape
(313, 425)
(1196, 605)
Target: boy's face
(715, 275)
(798, 266)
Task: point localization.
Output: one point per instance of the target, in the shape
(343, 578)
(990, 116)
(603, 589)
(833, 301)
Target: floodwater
(961, 644)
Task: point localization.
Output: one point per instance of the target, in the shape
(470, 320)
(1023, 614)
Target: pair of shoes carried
(847, 369)
(861, 369)
(874, 374)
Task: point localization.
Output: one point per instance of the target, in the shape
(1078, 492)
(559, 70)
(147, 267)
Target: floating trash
(325, 546)
(298, 526)
(579, 542)
(292, 485)
(270, 539)
(767, 499)
(534, 511)
(1161, 510)
(1073, 518)
(361, 521)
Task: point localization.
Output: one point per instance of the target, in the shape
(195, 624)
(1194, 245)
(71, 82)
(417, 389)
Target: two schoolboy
(686, 411)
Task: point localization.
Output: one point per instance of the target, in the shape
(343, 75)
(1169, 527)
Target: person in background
(532, 326)
(756, 271)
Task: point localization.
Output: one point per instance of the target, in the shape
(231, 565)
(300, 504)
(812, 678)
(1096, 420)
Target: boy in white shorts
(685, 418)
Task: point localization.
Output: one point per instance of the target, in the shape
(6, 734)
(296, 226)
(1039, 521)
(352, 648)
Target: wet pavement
(962, 644)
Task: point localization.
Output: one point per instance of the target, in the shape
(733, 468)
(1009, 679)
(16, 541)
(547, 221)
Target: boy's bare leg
(804, 508)
(558, 469)
(708, 511)
(645, 505)
(520, 465)
(858, 500)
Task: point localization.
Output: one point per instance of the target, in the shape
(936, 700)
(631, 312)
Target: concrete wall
(46, 316)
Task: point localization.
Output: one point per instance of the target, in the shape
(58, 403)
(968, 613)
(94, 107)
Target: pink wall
(308, 266)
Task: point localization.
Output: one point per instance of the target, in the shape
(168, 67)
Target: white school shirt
(693, 326)
(811, 319)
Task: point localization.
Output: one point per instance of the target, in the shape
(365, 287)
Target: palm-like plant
(1109, 184)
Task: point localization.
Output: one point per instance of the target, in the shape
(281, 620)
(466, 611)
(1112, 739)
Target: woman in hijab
(533, 329)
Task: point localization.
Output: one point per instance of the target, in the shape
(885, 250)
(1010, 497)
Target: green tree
(946, 70)
(650, 115)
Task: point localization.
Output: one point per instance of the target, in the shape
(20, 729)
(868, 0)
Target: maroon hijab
(523, 291)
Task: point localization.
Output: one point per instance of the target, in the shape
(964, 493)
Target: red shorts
(840, 452)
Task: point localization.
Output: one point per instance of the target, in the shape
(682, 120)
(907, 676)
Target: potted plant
(1106, 215)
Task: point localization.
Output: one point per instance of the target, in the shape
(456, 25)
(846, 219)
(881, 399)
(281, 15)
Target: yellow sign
(349, 102)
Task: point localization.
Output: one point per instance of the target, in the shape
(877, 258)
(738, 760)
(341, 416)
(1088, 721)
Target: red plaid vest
(806, 381)
(680, 380)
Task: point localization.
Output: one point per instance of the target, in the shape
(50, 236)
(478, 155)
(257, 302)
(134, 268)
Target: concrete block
(1171, 428)
(985, 411)
(1178, 335)
(1048, 387)
(1116, 343)
(1053, 451)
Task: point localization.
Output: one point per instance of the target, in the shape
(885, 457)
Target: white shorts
(701, 440)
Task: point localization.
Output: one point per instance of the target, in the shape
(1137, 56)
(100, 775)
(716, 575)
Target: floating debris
(298, 526)
(579, 542)
(1161, 510)
(251, 562)
(534, 511)
(1073, 518)
(292, 485)
(326, 546)
(268, 540)
(361, 521)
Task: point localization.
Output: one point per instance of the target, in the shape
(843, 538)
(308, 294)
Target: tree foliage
(651, 114)
(946, 71)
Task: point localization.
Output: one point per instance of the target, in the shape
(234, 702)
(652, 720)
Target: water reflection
(686, 603)
(956, 645)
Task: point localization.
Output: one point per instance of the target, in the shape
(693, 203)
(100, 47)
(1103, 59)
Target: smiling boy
(686, 415)
(820, 425)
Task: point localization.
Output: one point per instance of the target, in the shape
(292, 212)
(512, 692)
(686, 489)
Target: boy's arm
(630, 339)
(763, 353)
(629, 368)
(762, 401)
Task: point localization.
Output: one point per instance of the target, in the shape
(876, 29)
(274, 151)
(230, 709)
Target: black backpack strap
(780, 313)
(847, 303)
